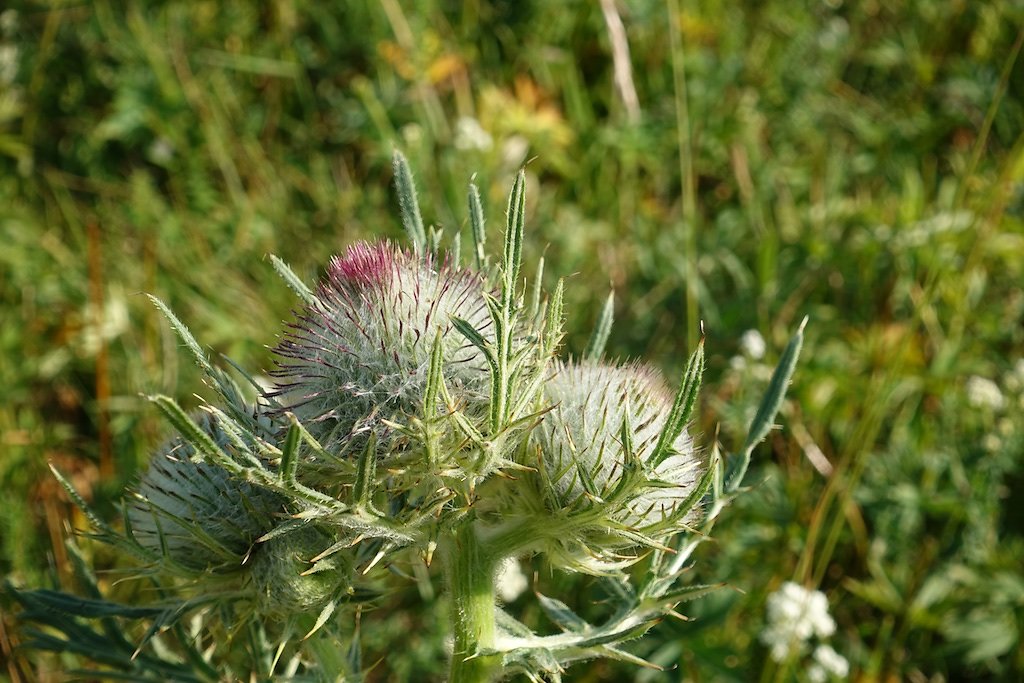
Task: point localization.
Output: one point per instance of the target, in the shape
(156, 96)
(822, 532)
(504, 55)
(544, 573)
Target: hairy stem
(471, 569)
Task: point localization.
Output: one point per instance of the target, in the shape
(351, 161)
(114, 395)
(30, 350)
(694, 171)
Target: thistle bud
(195, 514)
(597, 447)
(287, 582)
(360, 355)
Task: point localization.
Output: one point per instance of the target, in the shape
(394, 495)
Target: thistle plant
(423, 415)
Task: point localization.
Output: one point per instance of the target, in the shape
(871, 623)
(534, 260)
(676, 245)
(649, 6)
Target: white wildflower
(752, 344)
(8, 21)
(984, 393)
(9, 60)
(161, 151)
(469, 134)
(829, 663)
(511, 581)
(1015, 378)
(514, 150)
(795, 615)
(991, 442)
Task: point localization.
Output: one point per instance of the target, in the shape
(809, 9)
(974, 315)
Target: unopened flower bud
(287, 582)
(361, 354)
(195, 514)
(584, 456)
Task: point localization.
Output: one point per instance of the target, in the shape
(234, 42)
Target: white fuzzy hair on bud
(360, 355)
(195, 514)
(582, 444)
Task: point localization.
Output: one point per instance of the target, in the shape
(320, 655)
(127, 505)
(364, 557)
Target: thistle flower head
(360, 354)
(597, 447)
(195, 514)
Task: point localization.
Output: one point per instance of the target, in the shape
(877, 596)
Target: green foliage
(853, 162)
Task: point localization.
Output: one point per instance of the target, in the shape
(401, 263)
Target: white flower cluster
(469, 134)
(984, 393)
(753, 344)
(511, 582)
(795, 617)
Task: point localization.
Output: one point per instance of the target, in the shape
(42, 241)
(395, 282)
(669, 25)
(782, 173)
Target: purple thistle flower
(360, 354)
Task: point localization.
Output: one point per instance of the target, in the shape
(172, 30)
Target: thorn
(377, 558)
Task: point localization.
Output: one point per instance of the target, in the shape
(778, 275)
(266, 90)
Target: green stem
(471, 569)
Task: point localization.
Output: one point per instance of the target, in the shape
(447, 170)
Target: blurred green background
(751, 163)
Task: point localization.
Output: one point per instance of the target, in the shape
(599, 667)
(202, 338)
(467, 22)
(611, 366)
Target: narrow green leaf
(513, 255)
(682, 407)
(408, 204)
(476, 220)
(538, 287)
(72, 605)
(292, 280)
(697, 494)
(465, 426)
(79, 502)
(688, 593)
(183, 333)
(354, 656)
(456, 250)
(239, 437)
(325, 614)
(770, 405)
(558, 612)
(434, 378)
(599, 337)
(553, 322)
(362, 489)
(194, 434)
(467, 330)
(434, 240)
(290, 452)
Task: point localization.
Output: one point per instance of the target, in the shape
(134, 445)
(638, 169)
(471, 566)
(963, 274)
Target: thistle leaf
(363, 487)
(408, 204)
(202, 360)
(770, 405)
(558, 612)
(292, 280)
(599, 337)
(290, 452)
(513, 255)
(682, 407)
(553, 321)
(538, 287)
(476, 221)
(435, 377)
(475, 338)
(194, 434)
